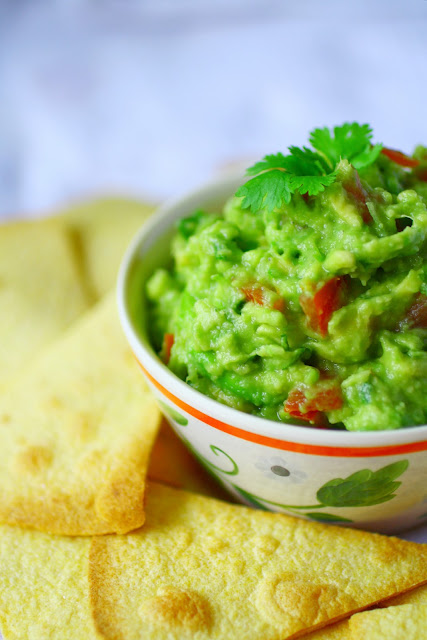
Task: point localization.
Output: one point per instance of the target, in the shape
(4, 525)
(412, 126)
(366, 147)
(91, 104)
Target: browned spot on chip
(5, 418)
(286, 600)
(215, 544)
(264, 546)
(182, 538)
(54, 403)
(383, 555)
(178, 609)
(121, 498)
(32, 459)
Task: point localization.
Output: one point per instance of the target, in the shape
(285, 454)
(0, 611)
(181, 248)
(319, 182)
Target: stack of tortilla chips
(108, 527)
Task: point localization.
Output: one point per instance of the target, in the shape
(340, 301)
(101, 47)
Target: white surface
(152, 97)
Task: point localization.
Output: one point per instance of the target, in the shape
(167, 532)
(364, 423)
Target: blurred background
(151, 97)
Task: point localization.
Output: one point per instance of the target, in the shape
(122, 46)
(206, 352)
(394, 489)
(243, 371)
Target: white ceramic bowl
(373, 480)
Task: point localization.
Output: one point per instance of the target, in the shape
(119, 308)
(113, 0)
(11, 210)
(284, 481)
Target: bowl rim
(162, 377)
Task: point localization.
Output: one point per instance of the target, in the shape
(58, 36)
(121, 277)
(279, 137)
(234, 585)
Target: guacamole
(312, 312)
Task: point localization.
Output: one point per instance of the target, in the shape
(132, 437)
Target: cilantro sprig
(305, 170)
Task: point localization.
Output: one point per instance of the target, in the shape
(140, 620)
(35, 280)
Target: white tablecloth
(150, 97)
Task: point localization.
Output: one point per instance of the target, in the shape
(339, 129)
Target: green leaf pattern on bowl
(364, 488)
(172, 413)
(327, 517)
(207, 464)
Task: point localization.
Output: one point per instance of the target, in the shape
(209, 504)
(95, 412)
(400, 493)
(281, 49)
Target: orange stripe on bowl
(310, 449)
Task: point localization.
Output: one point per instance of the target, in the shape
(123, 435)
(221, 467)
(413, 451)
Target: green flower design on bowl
(172, 413)
(364, 488)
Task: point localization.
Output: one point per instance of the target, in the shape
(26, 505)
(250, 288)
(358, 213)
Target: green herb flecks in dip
(306, 298)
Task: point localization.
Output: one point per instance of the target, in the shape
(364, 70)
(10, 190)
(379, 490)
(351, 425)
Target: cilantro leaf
(351, 141)
(367, 157)
(312, 185)
(307, 171)
(269, 162)
(269, 190)
(280, 176)
(305, 162)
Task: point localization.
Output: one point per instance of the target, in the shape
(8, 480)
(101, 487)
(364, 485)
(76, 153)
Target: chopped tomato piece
(355, 189)
(310, 409)
(320, 307)
(328, 399)
(400, 158)
(256, 294)
(422, 174)
(416, 316)
(168, 341)
(294, 405)
(279, 305)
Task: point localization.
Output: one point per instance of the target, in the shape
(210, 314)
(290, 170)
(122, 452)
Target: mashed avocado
(314, 311)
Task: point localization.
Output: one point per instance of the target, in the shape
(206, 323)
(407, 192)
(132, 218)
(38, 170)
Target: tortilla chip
(76, 432)
(416, 596)
(337, 631)
(406, 622)
(103, 230)
(41, 291)
(171, 463)
(206, 569)
(44, 590)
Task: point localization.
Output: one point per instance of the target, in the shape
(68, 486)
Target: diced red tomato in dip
(400, 158)
(168, 342)
(327, 399)
(416, 316)
(255, 293)
(355, 189)
(422, 174)
(279, 305)
(320, 307)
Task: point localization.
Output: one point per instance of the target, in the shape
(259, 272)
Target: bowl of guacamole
(290, 304)
(308, 306)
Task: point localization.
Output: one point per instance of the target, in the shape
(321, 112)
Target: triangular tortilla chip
(406, 622)
(103, 230)
(41, 291)
(172, 464)
(206, 569)
(416, 596)
(76, 432)
(44, 590)
(337, 631)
